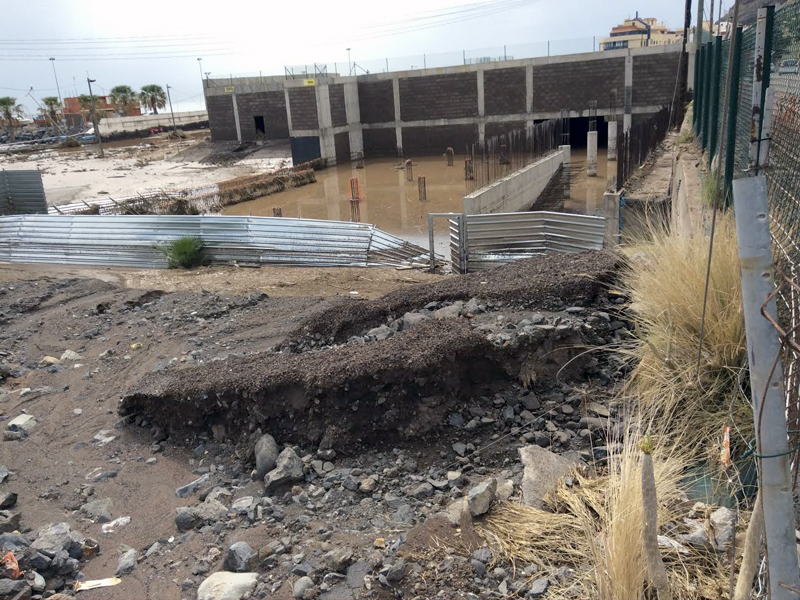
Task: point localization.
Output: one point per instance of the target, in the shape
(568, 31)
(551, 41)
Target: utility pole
(53, 62)
(349, 68)
(174, 128)
(698, 31)
(711, 18)
(95, 123)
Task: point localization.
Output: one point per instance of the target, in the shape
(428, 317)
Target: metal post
(505, 54)
(698, 90)
(464, 54)
(95, 123)
(174, 128)
(766, 385)
(424, 62)
(733, 111)
(387, 65)
(58, 88)
(698, 30)
(715, 100)
(761, 76)
(430, 243)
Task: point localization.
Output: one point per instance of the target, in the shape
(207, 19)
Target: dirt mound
(551, 282)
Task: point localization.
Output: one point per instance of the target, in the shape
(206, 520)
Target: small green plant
(184, 253)
(709, 188)
(686, 136)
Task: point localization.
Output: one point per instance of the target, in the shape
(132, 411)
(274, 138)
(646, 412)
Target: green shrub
(185, 252)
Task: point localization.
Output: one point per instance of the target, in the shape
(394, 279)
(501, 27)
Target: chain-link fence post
(713, 113)
(761, 76)
(696, 87)
(707, 67)
(733, 113)
(699, 70)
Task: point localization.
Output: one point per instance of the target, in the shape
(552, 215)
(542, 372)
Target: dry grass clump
(666, 283)
(596, 530)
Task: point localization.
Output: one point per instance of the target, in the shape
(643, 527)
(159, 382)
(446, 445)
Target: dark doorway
(260, 128)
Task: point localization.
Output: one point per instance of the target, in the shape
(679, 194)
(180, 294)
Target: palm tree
(153, 96)
(122, 96)
(10, 112)
(52, 106)
(86, 101)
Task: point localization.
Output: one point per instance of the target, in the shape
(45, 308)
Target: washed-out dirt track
(204, 371)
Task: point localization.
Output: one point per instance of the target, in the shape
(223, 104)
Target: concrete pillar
(327, 144)
(398, 129)
(591, 154)
(353, 112)
(481, 110)
(626, 121)
(567, 150)
(288, 110)
(481, 134)
(529, 89)
(236, 118)
(611, 213)
(612, 140)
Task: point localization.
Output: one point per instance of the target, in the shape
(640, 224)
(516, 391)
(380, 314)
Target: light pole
(174, 128)
(94, 119)
(200, 64)
(53, 62)
(349, 68)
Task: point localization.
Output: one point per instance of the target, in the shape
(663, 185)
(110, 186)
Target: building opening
(260, 128)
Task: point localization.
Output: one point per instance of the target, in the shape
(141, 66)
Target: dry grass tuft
(666, 288)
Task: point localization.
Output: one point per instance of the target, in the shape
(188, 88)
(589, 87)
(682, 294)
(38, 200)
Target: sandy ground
(130, 167)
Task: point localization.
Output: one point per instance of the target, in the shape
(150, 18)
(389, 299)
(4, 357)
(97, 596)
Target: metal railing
(22, 192)
(133, 241)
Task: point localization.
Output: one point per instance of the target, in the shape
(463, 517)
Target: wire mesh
(742, 151)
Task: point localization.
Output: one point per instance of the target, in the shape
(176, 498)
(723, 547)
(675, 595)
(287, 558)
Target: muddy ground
(395, 406)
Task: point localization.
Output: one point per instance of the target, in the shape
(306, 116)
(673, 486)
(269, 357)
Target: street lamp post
(349, 67)
(174, 128)
(200, 64)
(53, 62)
(94, 119)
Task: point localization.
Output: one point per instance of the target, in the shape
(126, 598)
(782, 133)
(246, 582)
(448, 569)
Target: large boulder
(542, 470)
(288, 469)
(226, 586)
(266, 451)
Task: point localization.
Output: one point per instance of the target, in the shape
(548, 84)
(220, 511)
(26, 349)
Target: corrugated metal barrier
(495, 239)
(22, 192)
(130, 241)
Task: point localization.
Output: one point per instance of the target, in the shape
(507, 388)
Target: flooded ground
(392, 204)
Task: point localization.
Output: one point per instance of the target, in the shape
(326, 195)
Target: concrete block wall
(269, 105)
(517, 191)
(425, 111)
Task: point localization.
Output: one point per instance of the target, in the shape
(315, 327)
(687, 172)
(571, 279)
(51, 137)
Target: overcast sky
(142, 43)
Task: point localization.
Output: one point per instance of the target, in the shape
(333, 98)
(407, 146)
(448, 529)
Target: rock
(455, 511)
(505, 488)
(530, 402)
(542, 470)
(237, 557)
(38, 584)
(185, 518)
(397, 571)
(422, 491)
(191, 488)
(480, 497)
(70, 355)
(266, 451)
(301, 586)
(127, 562)
(538, 587)
(23, 423)
(289, 468)
(7, 499)
(98, 510)
(53, 539)
(242, 505)
(480, 568)
(4, 473)
(410, 319)
(18, 589)
(380, 333)
(50, 360)
(103, 437)
(9, 521)
(449, 312)
(226, 586)
(368, 485)
(723, 520)
(210, 511)
(357, 572)
(484, 555)
(598, 410)
(339, 559)
(403, 514)
(460, 448)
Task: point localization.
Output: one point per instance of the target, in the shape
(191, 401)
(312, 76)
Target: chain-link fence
(762, 137)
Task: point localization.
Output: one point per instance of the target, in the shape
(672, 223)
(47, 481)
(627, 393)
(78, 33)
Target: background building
(639, 33)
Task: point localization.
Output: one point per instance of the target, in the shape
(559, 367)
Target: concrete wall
(426, 110)
(517, 191)
(114, 124)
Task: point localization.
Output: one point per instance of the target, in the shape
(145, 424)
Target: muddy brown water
(392, 204)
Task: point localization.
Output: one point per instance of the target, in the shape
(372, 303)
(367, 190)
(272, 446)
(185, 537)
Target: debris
(10, 566)
(50, 360)
(136, 346)
(70, 355)
(115, 524)
(22, 423)
(104, 436)
(191, 488)
(97, 583)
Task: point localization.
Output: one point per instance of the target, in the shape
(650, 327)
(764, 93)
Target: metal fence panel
(22, 192)
(496, 239)
(132, 241)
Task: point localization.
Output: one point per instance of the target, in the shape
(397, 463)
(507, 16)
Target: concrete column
(626, 121)
(288, 111)
(481, 110)
(612, 140)
(591, 154)
(611, 213)
(481, 133)
(398, 128)
(529, 89)
(567, 150)
(327, 145)
(353, 112)
(236, 118)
